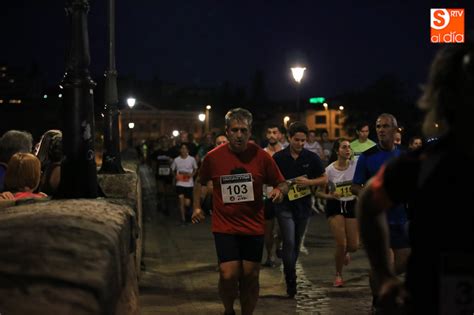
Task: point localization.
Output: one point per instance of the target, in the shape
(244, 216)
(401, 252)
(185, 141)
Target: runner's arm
(198, 214)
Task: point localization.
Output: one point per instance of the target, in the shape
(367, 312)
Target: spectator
(50, 154)
(12, 141)
(23, 176)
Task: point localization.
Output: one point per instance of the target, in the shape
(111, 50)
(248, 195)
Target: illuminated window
(320, 119)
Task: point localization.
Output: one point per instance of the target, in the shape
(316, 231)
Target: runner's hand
(198, 215)
(302, 181)
(276, 195)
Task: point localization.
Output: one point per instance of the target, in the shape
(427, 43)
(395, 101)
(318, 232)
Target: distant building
(331, 119)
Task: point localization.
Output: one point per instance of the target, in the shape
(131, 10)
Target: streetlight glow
(325, 105)
(208, 107)
(286, 119)
(131, 125)
(202, 117)
(131, 102)
(298, 73)
(341, 107)
(175, 133)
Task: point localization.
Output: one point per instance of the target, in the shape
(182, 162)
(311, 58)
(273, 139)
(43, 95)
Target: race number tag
(344, 189)
(296, 192)
(164, 171)
(237, 188)
(456, 284)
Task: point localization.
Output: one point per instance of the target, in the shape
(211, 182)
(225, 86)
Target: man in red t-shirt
(238, 171)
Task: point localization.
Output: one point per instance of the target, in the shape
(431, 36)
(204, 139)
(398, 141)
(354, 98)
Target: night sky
(344, 46)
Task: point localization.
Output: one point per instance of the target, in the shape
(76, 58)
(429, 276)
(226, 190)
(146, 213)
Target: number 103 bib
(237, 188)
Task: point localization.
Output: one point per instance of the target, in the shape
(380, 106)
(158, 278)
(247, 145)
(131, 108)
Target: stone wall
(77, 256)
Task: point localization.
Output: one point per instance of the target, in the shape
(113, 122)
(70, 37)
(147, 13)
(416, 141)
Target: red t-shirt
(241, 217)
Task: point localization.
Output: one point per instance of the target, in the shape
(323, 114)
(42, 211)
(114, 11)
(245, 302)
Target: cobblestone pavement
(181, 277)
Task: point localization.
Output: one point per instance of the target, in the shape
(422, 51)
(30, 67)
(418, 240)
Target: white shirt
(341, 179)
(187, 165)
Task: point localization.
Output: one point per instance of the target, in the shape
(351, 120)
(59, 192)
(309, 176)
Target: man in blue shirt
(368, 165)
(302, 169)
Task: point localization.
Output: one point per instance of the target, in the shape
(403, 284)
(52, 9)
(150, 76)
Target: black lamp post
(78, 168)
(111, 161)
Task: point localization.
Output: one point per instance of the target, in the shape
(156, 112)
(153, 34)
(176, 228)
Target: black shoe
(291, 288)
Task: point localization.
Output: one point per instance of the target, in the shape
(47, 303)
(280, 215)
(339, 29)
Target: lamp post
(111, 161)
(131, 102)
(202, 118)
(208, 108)
(78, 168)
(298, 73)
(286, 119)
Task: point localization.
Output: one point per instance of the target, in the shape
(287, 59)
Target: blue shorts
(398, 236)
(230, 247)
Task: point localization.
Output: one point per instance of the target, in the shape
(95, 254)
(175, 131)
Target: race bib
(456, 284)
(344, 190)
(164, 171)
(296, 192)
(237, 188)
(182, 178)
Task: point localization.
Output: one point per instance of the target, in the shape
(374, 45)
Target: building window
(337, 132)
(320, 119)
(337, 118)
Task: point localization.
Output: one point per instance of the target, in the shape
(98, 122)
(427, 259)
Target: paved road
(181, 276)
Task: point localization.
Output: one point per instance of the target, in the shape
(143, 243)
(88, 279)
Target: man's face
(297, 142)
(363, 133)
(397, 138)
(273, 135)
(417, 143)
(311, 137)
(238, 133)
(385, 130)
(221, 140)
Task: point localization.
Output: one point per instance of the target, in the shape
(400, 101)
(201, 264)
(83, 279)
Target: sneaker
(347, 259)
(338, 282)
(291, 289)
(269, 263)
(304, 250)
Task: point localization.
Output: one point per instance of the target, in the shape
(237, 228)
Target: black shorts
(186, 191)
(344, 208)
(230, 247)
(398, 236)
(269, 209)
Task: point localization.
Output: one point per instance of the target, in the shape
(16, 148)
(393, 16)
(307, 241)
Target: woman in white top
(184, 168)
(340, 206)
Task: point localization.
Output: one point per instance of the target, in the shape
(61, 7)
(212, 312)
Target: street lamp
(131, 102)
(298, 73)
(208, 107)
(286, 119)
(111, 160)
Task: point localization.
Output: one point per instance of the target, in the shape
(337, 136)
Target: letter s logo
(439, 18)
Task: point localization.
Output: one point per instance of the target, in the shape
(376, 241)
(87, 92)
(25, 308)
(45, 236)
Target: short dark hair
(297, 126)
(15, 141)
(361, 125)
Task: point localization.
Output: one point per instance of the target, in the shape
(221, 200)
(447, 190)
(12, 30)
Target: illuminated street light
(131, 125)
(208, 108)
(341, 107)
(286, 119)
(298, 73)
(325, 106)
(131, 102)
(202, 117)
(175, 133)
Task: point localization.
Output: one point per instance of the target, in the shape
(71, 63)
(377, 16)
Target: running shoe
(338, 282)
(269, 263)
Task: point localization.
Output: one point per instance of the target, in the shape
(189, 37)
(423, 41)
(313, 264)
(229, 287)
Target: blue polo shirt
(307, 163)
(368, 164)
